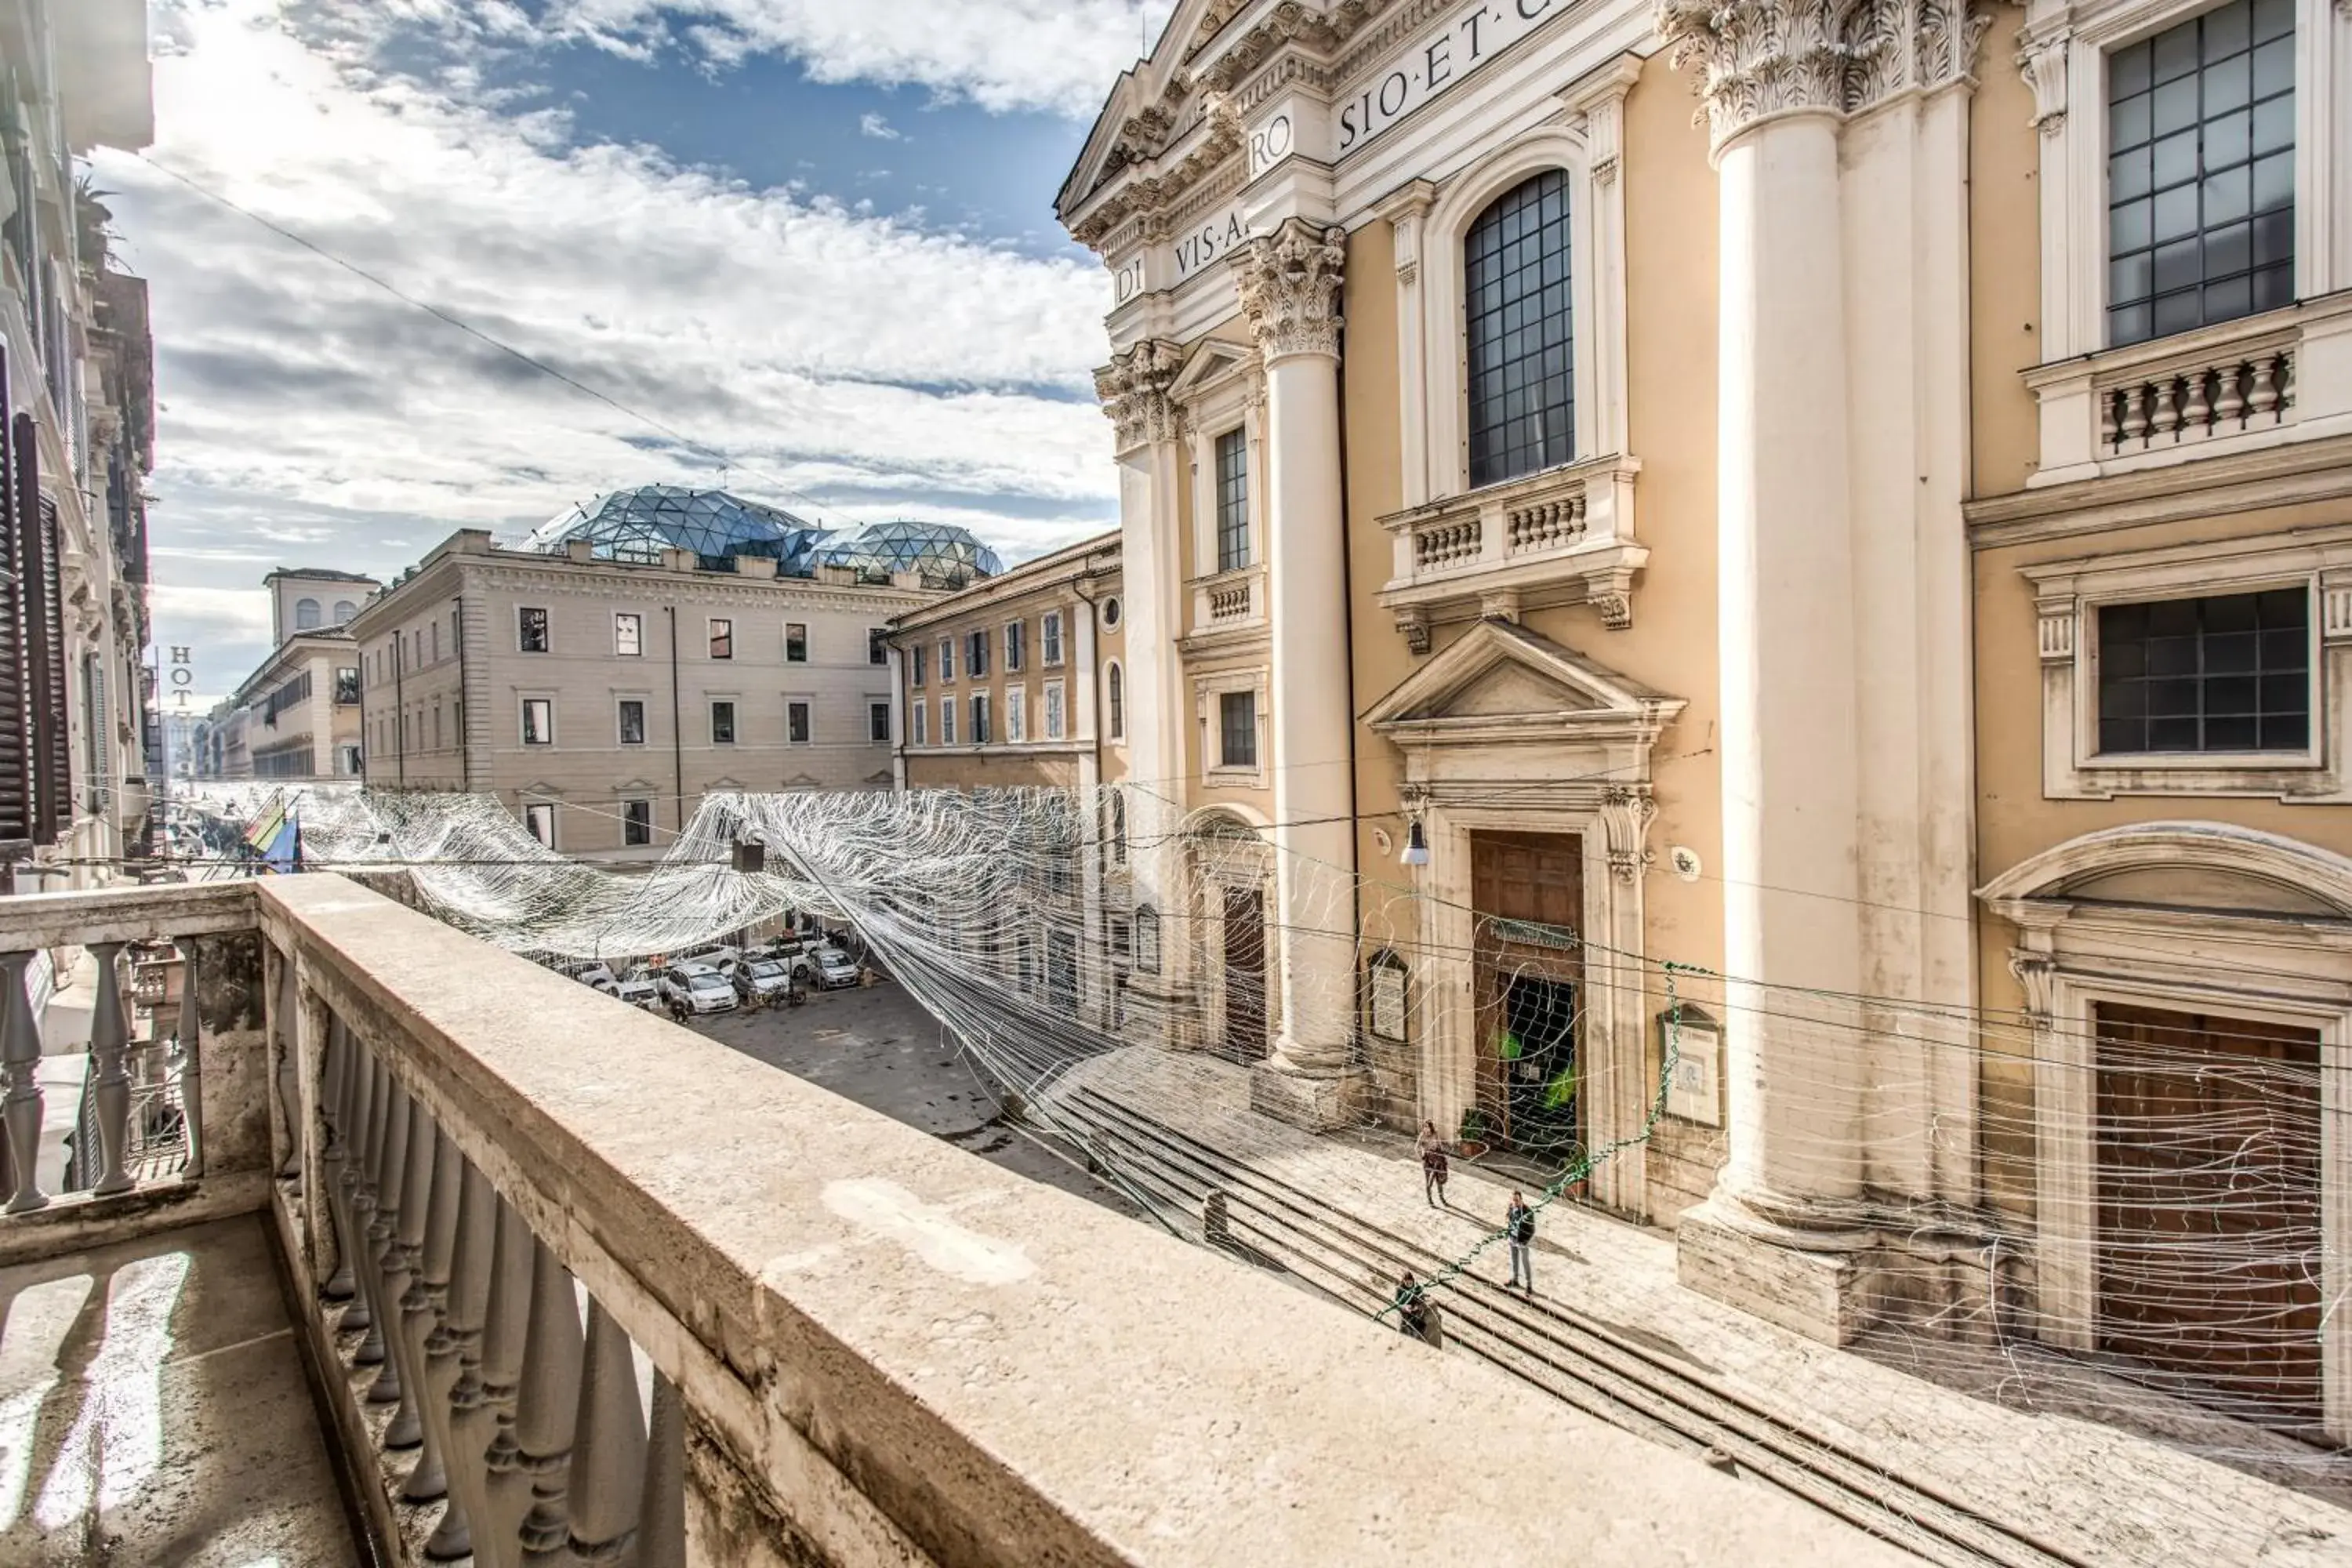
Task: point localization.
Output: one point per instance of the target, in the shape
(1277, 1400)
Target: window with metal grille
(637, 822)
(2200, 171)
(2230, 673)
(796, 722)
(1233, 502)
(1521, 353)
(530, 629)
(1237, 730)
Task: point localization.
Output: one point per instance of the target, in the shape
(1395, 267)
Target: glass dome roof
(938, 549)
(637, 525)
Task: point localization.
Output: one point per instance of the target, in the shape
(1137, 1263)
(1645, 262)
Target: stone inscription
(1436, 61)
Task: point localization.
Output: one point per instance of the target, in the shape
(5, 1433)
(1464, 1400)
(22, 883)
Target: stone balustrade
(2239, 385)
(1231, 600)
(1561, 536)
(583, 1287)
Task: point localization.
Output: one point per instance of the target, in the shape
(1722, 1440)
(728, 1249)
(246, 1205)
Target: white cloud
(310, 416)
(876, 126)
(1056, 55)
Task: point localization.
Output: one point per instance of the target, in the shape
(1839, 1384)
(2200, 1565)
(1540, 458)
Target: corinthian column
(1289, 287)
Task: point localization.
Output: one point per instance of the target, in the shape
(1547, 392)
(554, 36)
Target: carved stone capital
(1134, 391)
(1757, 59)
(2043, 63)
(1289, 286)
(2037, 972)
(1626, 813)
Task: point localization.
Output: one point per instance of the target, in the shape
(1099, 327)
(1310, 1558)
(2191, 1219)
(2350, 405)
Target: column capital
(1289, 284)
(1760, 59)
(1134, 391)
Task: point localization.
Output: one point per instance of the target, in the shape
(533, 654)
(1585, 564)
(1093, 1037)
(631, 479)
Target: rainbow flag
(264, 829)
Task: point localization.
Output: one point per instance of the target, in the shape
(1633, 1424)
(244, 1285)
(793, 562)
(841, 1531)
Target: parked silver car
(833, 968)
(697, 987)
(758, 976)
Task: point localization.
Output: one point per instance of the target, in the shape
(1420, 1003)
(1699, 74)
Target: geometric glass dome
(940, 551)
(637, 525)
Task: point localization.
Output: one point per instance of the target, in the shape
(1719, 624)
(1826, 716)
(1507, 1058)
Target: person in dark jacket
(1519, 1230)
(1412, 1307)
(1432, 1164)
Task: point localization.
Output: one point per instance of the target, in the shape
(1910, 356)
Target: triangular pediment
(1211, 363)
(1499, 678)
(539, 789)
(635, 786)
(723, 786)
(803, 781)
(1144, 104)
(881, 780)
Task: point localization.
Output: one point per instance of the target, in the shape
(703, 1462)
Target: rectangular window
(1017, 638)
(436, 642)
(1237, 730)
(530, 629)
(346, 687)
(633, 721)
(920, 713)
(436, 726)
(877, 723)
(2200, 171)
(1055, 720)
(722, 637)
(1016, 714)
(975, 649)
(538, 819)
(878, 645)
(722, 723)
(947, 658)
(979, 717)
(1233, 502)
(628, 635)
(1049, 637)
(539, 720)
(796, 722)
(795, 643)
(2230, 673)
(637, 822)
(947, 721)
(915, 663)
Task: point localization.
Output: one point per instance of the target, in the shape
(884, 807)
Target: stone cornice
(1134, 391)
(1760, 59)
(2293, 475)
(1289, 287)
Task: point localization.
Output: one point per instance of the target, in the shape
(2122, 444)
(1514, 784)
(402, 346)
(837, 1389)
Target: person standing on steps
(1412, 1307)
(1519, 1230)
(1432, 1165)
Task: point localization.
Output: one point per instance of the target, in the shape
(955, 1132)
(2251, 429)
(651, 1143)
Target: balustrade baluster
(288, 1030)
(20, 1068)
(2135, 422)
(661, 1534)
(505, 1330)
(192, 1057)
(359, 1181)
(391, 1278)
(2163, 420)
(2232, 405)
(340, 1098)
(455, 1366)
(2110, 418)
(608, 1446)
(2262, 401)
(110, 1040)
(2197, 414)
(547, 1406)
(413, 1317)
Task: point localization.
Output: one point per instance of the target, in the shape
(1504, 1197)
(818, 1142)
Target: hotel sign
(1473, 36)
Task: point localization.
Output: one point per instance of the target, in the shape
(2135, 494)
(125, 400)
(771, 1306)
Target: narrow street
(879, 1047)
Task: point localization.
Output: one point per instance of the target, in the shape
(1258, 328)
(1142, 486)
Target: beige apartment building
(603, 679)
(1019, 681)
(297, 715)
(1846, 498)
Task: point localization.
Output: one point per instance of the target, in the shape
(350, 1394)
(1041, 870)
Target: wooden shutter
(15, 738)
(40, 584)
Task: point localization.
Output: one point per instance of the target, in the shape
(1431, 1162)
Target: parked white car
(698, 986)
(759, 977)
(599, 975)
(638, 988)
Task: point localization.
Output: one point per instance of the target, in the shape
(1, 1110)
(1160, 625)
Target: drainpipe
(465, 698)
(677, 724)
(400, 706)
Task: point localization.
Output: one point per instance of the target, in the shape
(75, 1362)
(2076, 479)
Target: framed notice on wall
(1388, 996)
(1693, 1091)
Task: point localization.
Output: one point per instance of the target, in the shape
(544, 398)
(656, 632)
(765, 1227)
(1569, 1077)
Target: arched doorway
(1230, 874)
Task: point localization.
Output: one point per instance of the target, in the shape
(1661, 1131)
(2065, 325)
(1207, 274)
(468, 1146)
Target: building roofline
(1027, 577)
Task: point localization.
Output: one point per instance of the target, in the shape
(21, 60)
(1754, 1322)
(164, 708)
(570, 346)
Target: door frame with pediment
(1506, 732)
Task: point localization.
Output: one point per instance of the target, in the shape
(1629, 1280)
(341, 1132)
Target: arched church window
(1521, 351)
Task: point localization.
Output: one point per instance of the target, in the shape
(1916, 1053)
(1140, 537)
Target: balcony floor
(154, 1409)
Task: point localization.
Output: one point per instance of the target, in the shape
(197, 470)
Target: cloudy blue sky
(816, 236)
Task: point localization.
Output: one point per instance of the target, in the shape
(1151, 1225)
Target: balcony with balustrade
(376, 1244)
(2240, 386)
(1564, 536)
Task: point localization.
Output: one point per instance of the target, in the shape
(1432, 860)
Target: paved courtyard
(877, 1047)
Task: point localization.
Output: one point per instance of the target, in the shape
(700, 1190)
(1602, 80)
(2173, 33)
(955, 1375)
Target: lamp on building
(1416, 848)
